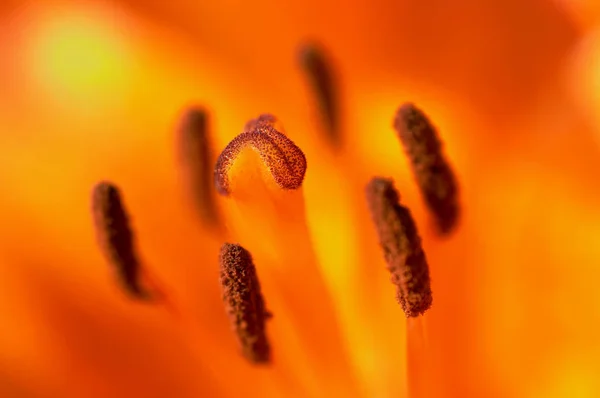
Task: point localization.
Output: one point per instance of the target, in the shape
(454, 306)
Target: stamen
(195, 155)
(116, 238)
(319, 71)
(284, 160)
(433, 173)
(265, 118)
(244, 302)
(401, 246)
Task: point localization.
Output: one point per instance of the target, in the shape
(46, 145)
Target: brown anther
(321, 76)
(115, 237)
(284, 160)
(244, 302)
(401, 246)
(431, 169)
(265, 118)
(195, 156)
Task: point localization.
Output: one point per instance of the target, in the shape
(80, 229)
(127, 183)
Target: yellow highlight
(81, 56)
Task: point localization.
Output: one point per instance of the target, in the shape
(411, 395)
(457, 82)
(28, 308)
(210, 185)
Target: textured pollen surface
(432, 172)
(261, 120)
(318, 70)
(284, 160)
(115, 236)
(244, 302)
(401, 245)
(194, 153)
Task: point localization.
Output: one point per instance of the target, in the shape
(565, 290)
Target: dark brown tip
(432, 171)
(321, 76)
(115, 237)
(401, 246)
(284, 160)
(195, 155)
(244, 302)
(261, 120)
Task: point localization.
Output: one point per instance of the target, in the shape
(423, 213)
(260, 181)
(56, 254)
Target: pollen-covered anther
(264, 119)
(319, 71)
(244, 303)
(432, 171)
(115, 237)
(284, 160)
(194, 152)
(401, 246)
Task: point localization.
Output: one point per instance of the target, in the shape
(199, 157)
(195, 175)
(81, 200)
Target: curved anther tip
(284, 160)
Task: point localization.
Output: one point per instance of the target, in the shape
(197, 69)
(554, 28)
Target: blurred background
(93, 90)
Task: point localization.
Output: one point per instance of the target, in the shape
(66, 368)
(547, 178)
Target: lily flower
(99, 91)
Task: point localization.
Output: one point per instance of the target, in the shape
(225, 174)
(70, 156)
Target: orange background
(93, 90)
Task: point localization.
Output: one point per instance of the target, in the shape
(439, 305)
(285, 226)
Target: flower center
(286, 166)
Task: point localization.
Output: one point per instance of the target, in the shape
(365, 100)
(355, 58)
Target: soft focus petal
(487, 51)
(93, 90)
(585, 12)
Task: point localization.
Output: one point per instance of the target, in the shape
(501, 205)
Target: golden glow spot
(571, 376)
(80, 56)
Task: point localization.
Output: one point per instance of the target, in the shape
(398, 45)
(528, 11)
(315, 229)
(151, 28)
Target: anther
(319, 71)
(284, 160)
(115, 237)
(432, 172)
(261, 120)
(401, 246)
(244, 302)
(195, 155)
